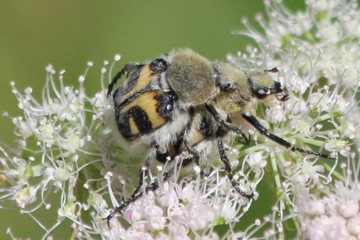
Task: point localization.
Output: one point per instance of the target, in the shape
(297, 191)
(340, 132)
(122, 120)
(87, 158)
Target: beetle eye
(262, 92)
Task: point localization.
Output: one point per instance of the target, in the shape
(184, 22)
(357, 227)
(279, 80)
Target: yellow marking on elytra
(143, 80)
(134, 129)
(147, 103)
(150, 107)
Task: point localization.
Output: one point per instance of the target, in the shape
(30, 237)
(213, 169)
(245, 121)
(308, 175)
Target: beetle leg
(228, 170)
(253, 121)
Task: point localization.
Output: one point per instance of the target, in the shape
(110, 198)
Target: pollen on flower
(117, 57)
(335, 145)
(61, 174)
(275, 114)
(47, 133)
(68, 210)
(301, 126)
(81, 79)
(28, 90)
(25, 196)
(256, 162)
(197, 169)
(50, 69)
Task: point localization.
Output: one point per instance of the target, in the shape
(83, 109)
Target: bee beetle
(181, 102)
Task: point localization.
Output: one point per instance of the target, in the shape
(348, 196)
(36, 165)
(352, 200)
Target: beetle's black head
(262, 85)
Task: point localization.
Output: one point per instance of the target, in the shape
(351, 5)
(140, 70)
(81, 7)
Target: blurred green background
(68, 33)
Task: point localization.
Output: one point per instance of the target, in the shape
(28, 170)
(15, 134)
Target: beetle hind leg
(228, 169)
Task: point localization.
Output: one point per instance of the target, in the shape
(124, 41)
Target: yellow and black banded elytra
(141, 104)
(183, 102)
(146, 113)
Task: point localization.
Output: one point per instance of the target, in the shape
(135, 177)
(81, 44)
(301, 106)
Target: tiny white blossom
(256, 162)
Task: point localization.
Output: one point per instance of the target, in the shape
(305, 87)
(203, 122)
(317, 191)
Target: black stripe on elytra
(140, 119)
(130, 98)
(159, 65)
(123, 125)
(121, 91)
(133, 79)
(128, 68)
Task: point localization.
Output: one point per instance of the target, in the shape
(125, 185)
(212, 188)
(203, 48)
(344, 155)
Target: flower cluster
(181, 209)
(59, 151)
(67, 148)
(336, 215)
